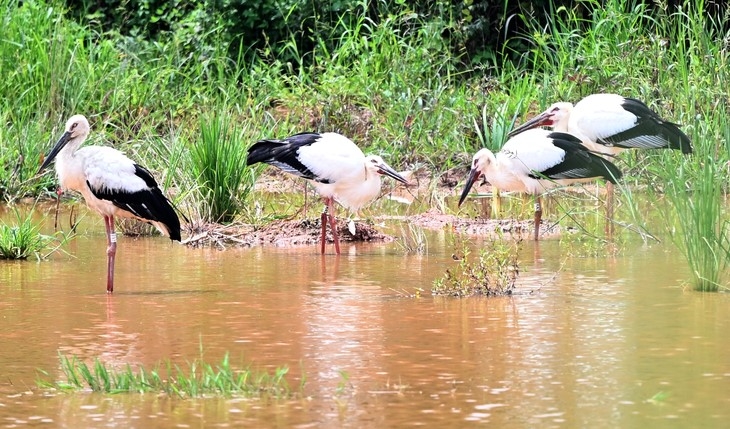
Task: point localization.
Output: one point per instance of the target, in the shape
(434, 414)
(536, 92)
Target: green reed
(394, 86)
(198, 378)
(702, 226)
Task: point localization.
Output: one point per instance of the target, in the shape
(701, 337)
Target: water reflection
(588, 342)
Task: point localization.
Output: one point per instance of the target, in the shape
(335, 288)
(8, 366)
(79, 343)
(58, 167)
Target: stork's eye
(555, 109)
(73, 126)
(373, 161)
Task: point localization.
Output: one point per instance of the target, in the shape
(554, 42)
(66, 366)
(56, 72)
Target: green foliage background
(421, 83)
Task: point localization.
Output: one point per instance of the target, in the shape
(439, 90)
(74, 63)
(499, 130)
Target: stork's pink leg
(538, 216)
(333, 227)
(111, 250)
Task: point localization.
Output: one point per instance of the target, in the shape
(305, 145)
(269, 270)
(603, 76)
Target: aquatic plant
(702, 227)
(23, 239)
(218, 162)
(412, 239)
(493, 271)
(199, 378)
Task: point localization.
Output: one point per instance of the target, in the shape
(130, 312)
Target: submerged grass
(199, 378)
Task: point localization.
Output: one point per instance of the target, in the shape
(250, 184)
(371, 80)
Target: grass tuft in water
(702, 232)
(198, 379)
(493, 271)
(412, 240)
(23, 239)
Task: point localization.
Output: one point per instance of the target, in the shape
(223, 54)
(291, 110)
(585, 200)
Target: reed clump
(218, 164)
(701, 231)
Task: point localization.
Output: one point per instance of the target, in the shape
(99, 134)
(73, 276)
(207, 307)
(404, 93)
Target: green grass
(218, 165)
(702, 230)
(394, 85)
(197, 379)
(23, 239)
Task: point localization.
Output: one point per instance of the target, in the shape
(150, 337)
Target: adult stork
(609, 124)
(538, 160)
(111, 184)
(335, 166)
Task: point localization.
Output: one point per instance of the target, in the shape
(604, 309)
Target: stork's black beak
(473, 176)
(539, 120)
(386, 170)
(57, 148)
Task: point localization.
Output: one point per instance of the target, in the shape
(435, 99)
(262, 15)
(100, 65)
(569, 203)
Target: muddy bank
(286, 233)
(280, 233)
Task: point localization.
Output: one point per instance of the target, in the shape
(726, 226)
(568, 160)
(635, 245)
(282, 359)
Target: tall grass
(218, 161)
(392, 84)
(702, 233)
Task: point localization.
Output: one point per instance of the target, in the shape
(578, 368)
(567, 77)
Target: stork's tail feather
(156, 209)
(265, 151)
(677, 138)
(606, 169)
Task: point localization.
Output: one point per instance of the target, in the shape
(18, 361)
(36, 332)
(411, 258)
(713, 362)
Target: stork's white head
(375, 165)
(77, 129)
(77, 126)
(480, 164)
(556, 116)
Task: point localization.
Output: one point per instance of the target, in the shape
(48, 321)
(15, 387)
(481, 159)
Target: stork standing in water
(111, 184)
(538, 160)
(334, 165)
(609, 124)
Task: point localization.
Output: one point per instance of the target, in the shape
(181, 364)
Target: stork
(610, 124)
(335, 166)
(538, 160)
(111, 184)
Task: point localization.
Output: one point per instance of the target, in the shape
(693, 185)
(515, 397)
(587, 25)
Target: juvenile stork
(111, 184)
(335, 166)
(538, 160)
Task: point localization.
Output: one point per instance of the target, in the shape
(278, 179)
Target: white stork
(111, 184)
(610, 123)
(538, 160)
(334, 165)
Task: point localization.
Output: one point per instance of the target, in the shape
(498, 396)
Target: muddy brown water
(588, 342)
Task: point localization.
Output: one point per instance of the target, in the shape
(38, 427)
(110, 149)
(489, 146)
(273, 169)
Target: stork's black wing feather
(284, 154)
(579, 162)
(650, 131)
(148, 204)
